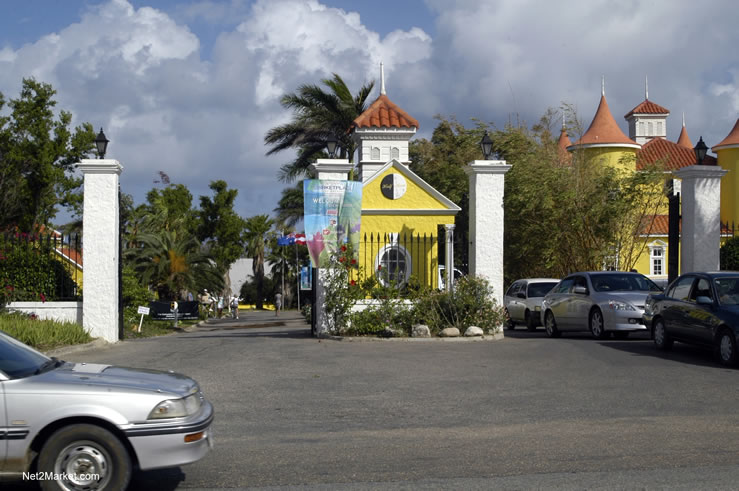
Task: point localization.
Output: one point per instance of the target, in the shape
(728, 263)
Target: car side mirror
(703, 300)
(580, 290)
(521, 295)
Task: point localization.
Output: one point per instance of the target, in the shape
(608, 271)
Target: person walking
(220, 306)
(235, 307)
(278, 303)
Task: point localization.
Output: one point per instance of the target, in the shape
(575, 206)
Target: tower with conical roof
(382, 133)
(647, 120)
(605, 141)
(563, 143)
(727, 152)
(684, 139)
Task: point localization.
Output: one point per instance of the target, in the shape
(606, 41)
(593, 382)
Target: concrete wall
(59, 311)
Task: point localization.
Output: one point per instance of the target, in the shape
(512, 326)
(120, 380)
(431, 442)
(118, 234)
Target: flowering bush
(342, 290)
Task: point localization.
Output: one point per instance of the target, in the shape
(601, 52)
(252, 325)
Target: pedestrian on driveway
(220, 306)
(235, 306)
(278, 303)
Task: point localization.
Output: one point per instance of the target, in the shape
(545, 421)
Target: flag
(300, 238)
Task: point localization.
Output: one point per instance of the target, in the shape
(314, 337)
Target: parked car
(523, 301)
(603, 302)
(88, 425)
(441, 272)
(700, 309)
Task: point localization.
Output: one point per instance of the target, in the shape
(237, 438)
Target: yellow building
(401, 213)
(606, 143)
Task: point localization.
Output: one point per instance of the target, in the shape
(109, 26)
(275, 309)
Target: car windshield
(18, 360)
(540, 289)
(727, 290)
(615, 282)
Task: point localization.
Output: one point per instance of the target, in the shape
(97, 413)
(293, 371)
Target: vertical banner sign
(306, 278)
(333, 213)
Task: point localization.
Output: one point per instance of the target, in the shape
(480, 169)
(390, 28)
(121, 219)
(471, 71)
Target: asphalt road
(525, 412)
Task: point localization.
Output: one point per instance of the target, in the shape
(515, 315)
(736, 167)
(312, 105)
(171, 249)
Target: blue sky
(191, 87)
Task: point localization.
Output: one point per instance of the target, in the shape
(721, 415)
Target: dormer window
(375, 154)
(395, 153)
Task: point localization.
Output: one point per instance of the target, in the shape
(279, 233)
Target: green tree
(37, 155)
(257, 230)
(220, 228)
(730, 255)
(173, 263)
(317, 116)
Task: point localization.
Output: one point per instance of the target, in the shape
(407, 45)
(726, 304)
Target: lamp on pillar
(487, 146)
(700, 150)
(331, 145)
(102, 144)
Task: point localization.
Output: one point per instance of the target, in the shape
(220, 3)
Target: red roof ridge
(648, 107)
(384, 113)
(731, 139)
(604, 130)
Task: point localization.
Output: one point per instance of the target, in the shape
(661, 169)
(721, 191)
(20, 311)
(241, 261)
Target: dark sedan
(700, 309)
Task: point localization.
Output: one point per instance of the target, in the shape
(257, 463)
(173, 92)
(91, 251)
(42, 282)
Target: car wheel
(727, 348)
(509, 324)
(87, 457)
(662, 340)
(597, 326)
(621, 334)
(530, 324)
(551, 325)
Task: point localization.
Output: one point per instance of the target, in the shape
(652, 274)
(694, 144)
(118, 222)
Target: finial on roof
(646, 87)
(382, 78)
(563, 120)
(603, 85)
(683, 119)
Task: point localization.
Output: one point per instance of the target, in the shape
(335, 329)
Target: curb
(66, 350)
(460, 339)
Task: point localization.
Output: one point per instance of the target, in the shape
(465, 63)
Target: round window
(393, 265)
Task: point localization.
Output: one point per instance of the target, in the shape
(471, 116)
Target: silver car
(523, 301)
(74, 426)
(602, 302)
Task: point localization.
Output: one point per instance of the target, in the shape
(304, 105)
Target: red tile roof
(604, 129)
(383, 113)
(647, 107)
(731, 139)
(70, 254)
(562, 144)
(660, 225)
(684, 139)
(673, 155)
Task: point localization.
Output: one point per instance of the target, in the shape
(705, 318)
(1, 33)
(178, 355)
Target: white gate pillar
(100, 234)
(486, 221)
(701, 217)
(332, 170)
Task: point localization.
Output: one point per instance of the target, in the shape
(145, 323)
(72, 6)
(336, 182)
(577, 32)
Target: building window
(395, 153)
(650, 129)
(656, 261)
(641, 128)
(393, 265)
(659, 128)
(375, 153)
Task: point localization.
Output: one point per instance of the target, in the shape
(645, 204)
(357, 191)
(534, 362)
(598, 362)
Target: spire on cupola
(647, 120)
(684, 139)
(604, 131)
(382, 133)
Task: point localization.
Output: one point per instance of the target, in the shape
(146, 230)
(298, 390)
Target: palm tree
(290, 207)
(318, 115)
(257, 228)
(173, 263)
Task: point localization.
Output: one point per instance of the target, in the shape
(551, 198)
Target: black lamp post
(487, 146)
(700, 151)
(331, 144)
(101, 143)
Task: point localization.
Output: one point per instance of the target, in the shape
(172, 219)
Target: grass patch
(43, 335)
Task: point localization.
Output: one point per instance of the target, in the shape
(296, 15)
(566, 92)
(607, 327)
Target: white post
(101, 245)
(701, 217)
(449, 266)
(337, 170)
(486, 221)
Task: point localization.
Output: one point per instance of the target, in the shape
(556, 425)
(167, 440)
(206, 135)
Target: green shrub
(390, 314)
(43, 334)
(730, 255)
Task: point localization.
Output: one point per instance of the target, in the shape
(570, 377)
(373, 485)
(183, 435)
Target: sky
(190, 88)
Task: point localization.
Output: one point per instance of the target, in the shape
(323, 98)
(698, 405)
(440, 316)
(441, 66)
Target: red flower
(343, 248)
(342, 259)
(43, 297)
(353, 283)
(9, 288)
(354, 261)
(379, 267)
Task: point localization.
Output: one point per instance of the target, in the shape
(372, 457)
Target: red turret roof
(647, 107)
(562, 144)
(383, 113)
(673, 155)
(684, 139)
(604, 129)
(731, 139)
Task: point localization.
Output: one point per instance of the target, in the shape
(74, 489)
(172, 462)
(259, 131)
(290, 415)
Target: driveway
(522, 412)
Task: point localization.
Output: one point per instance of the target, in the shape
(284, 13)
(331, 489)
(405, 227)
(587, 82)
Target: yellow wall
(617, 157)
(415, 197)
(729, 159)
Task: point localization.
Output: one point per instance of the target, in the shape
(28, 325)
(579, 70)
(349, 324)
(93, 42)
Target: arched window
(395, 153)
(393, 265)
(650, 129)
(641, 128)
(659, 128)
(375, 153)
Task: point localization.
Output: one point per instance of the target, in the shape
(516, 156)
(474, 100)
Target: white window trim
(394, 245)
(662, 247)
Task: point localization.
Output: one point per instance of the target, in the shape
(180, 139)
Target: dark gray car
(602, 302)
